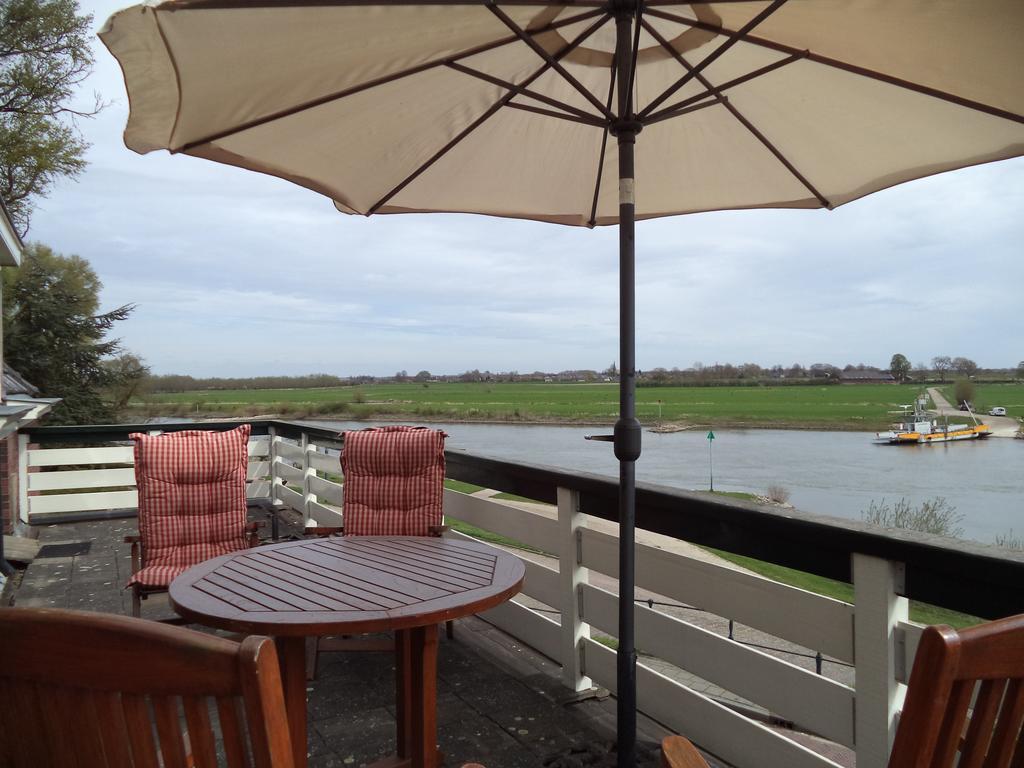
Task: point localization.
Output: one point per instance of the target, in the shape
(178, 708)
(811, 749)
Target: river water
(830, 473)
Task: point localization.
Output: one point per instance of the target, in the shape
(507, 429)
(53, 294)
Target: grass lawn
(862, 406)
(923, 613)
(1010, 396)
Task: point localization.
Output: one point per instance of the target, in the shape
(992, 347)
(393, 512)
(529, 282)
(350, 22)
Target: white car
(997, 411)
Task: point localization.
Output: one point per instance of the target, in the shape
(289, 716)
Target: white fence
(102, 479)
(874, 634)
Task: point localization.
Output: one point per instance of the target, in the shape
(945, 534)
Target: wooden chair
(938, 719)
(89, 689)
(939, 727)
(394, 486)
(192, 504)
(677, 752)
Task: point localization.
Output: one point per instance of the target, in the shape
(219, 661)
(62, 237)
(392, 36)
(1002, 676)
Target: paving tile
(363, 739)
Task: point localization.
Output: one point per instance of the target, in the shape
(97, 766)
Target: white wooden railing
(873, 634)
(103, 479)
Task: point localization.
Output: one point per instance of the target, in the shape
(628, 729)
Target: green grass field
(1009, 396)
(835, 407)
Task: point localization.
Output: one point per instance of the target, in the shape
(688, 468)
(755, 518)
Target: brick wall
(9, 481)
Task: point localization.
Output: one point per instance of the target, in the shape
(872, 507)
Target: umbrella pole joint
(619, 8)
(625, 128)
(627, 439)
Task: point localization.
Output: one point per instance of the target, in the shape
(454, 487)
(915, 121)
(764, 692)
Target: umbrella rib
(827, 61)
(635, 53)
(674, 109)
(736, 114)
(338, 95)
(597, 123)
(503, 101)
(519, 89)
(657, 117)
(604, 148)
(778, 155)
(551, 60)
(734, 37)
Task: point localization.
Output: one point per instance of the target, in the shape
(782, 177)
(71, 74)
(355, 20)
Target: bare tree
(942, 365)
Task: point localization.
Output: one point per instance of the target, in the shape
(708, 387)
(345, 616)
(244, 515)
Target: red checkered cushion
(394, 480)
(191, 499)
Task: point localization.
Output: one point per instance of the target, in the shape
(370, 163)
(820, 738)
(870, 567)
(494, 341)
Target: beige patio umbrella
(581, 112)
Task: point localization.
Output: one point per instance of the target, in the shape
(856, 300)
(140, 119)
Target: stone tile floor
(499, 703)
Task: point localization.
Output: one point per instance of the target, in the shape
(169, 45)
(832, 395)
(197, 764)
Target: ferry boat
(919, 426)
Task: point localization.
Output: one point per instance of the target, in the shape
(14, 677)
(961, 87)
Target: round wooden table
(352, 585)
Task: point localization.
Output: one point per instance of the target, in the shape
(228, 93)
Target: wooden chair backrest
(394, 481)
(86, 689)
(939, 720)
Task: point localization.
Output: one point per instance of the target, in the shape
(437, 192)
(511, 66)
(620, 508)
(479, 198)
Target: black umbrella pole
(627, 428)
(627, 450)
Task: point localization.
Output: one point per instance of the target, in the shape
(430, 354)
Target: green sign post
(711, 463)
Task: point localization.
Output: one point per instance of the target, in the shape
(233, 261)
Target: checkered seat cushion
(394, 481)
(191, 499)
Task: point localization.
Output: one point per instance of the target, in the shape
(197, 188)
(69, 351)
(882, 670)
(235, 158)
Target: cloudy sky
(238, 274)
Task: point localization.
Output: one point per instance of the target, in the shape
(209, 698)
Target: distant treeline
(176, 383)
(943, 369)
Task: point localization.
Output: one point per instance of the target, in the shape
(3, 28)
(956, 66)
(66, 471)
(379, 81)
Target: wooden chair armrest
(324, 530)
(136, 541)
(438, 530)
(677, 752)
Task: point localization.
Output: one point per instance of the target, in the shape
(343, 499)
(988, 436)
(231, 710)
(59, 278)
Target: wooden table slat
(366, 569)
(477, 571)
(257, 583)
(337, 578)
(484, 560)
(227, 582)
(227, 596)
(293, 587)
(401, 564)
(321, 583)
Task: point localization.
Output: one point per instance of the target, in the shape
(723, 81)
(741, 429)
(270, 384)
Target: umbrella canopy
(507, 108)
(501, 108)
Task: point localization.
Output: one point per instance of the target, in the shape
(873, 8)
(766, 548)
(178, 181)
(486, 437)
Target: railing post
(308, 498)
(23, 443)
(272, 458)
(571, 575)
(877, 611)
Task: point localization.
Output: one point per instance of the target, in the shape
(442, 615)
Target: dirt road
(1001, 426)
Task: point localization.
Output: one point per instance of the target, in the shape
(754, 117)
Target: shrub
(358, 396)
(330, 406)
(936, 516)
(778, 493)
(963, 391)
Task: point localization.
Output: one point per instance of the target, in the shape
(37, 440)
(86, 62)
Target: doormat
(70, 549)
